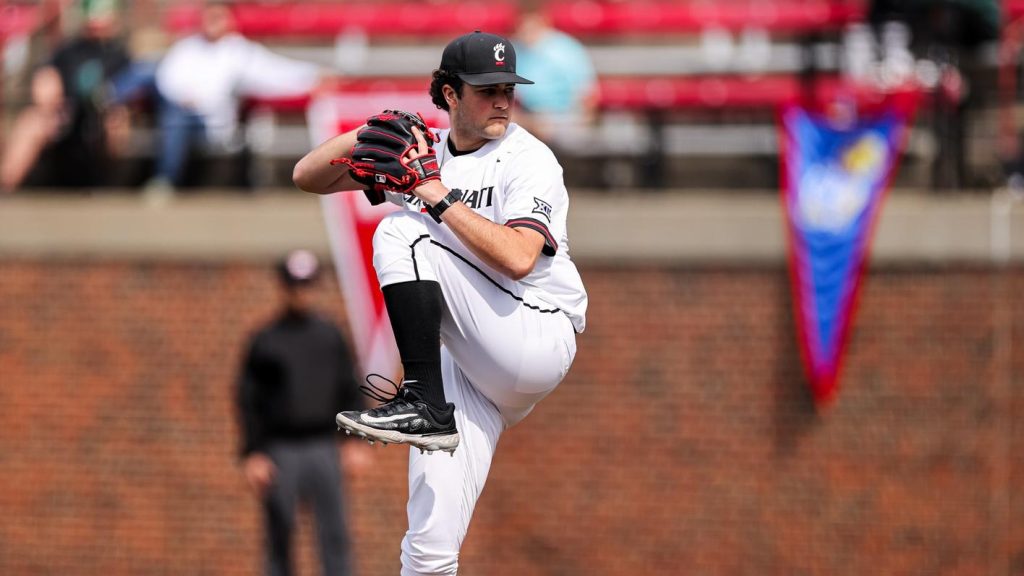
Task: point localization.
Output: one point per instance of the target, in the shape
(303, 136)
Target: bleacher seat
(577, 17)
(622, 93)
(18, 19)
(589, 18)
(399, 19)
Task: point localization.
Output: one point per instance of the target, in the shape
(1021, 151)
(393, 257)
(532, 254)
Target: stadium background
(684, 440)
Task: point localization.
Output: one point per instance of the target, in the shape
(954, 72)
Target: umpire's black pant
(307, 471)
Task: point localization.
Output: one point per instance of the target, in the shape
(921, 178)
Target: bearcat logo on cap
(499, 54)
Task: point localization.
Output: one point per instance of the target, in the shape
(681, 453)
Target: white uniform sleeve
(536, 197)
(270, 75)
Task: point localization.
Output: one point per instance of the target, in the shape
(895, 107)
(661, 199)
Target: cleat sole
(429, 444)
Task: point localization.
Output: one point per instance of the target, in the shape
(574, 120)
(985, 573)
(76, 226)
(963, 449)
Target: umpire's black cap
(481, 59)
(298, 268)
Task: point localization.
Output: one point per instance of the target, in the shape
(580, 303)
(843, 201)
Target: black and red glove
(378, 159)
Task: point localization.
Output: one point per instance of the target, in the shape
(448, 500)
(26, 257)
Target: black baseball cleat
(402, 419)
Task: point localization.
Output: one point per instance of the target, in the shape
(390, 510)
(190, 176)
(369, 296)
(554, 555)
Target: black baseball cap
(481, 59)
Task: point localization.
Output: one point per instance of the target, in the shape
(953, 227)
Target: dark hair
(437, 83)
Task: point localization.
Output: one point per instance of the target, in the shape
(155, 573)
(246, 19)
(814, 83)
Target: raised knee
(420, 558)
(399, 228)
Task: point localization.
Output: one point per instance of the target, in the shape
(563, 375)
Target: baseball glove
(378, 158)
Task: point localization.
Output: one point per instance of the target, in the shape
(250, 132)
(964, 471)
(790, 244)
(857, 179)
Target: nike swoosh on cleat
(385, 419)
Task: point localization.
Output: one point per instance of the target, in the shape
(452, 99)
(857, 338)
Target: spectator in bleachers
(74, 124)
(201, 83)
(563, 99)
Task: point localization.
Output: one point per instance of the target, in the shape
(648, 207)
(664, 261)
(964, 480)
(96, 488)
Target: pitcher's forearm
(315, 173)
(511, 251)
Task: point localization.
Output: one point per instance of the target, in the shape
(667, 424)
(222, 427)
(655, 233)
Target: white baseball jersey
(517, 181)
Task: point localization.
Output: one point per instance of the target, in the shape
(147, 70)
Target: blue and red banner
(834, 178)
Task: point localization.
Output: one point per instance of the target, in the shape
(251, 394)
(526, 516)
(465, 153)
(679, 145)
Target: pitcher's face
(482, 113)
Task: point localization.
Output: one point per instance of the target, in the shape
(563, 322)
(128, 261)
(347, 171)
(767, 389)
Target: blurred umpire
(296, 374)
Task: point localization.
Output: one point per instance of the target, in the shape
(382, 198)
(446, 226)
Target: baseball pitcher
(484, 300)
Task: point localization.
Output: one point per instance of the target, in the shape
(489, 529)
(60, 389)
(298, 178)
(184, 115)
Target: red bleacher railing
(632, 93)
(374, 19)
(583, 17)
(709, 92)
(588, 18)
(18, 19)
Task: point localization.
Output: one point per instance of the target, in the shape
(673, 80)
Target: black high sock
(415, 312)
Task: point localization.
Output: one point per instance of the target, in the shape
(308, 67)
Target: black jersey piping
(416, 270)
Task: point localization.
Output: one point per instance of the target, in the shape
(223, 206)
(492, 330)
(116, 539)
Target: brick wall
(682, 442)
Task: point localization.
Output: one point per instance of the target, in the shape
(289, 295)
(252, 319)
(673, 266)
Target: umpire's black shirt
(297, 374)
